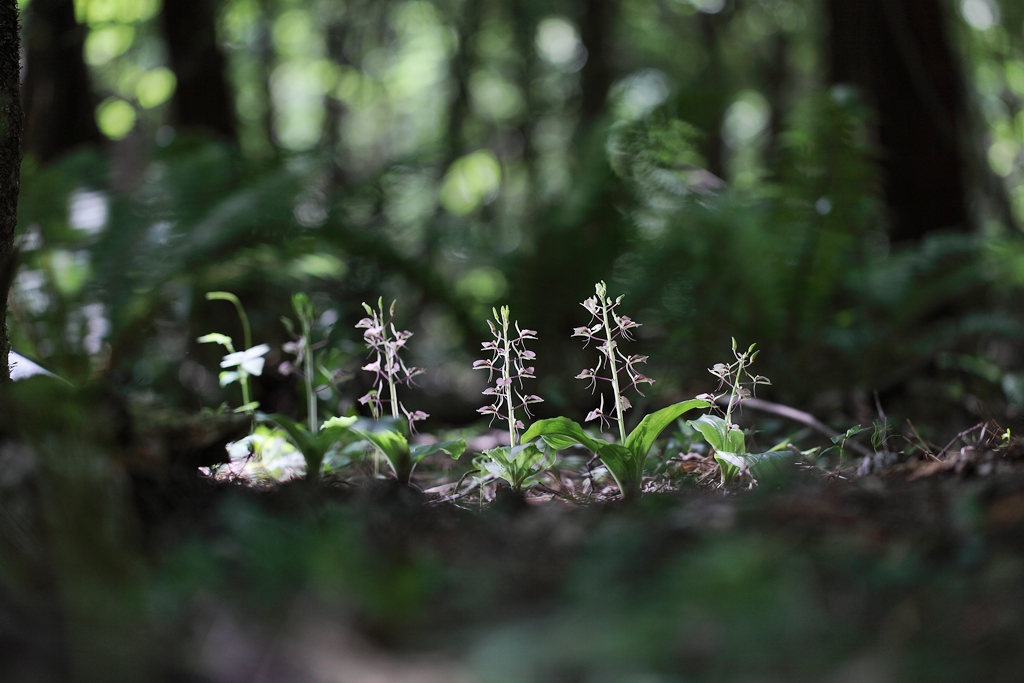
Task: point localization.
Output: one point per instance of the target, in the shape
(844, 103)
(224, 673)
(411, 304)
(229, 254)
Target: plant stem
(243, 379)
(390, 366)
(610, 351)
(311, 407)
(508, 387)
(228, 296)
(732, 399)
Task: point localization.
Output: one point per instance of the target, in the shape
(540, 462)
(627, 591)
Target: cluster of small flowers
(509, 356)
(385, 343)
(606, 328)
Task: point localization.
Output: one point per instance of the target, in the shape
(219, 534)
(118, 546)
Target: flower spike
(508, 355)
(385, 342)
(607, 328)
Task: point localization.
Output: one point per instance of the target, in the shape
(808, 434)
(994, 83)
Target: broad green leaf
(762, 466)
(643, 437)
(339, 421)
(390, 443)
(625, 467)
(771, 465)
(560, 433)
(395, 448)
(302, 438)
(310, 447)
(717, 432)
(731, 464)
(452, 448)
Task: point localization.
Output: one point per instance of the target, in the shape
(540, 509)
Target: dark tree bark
(57, 97)
(598, 74)
(203, 98)
(897, 54)
(461, 68)
(10, 160)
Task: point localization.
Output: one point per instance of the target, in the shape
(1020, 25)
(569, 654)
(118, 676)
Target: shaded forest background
(839, 181)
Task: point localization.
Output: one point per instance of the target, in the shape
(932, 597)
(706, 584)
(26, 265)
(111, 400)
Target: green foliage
(522, 466)
(727, 440)
(402, 458)
(624, 462)
(237, 366)
(315, 445)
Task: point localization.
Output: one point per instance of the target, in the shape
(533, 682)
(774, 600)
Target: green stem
(243, 379)
(228, 296)
(508, 387)
(390, 367)
(610, 350)
(732, 398)
(311, 407)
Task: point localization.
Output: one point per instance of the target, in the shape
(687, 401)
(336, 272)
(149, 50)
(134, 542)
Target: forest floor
(898, 568)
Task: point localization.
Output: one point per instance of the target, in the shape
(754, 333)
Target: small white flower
(250, 361)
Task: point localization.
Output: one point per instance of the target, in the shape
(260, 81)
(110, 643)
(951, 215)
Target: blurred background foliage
(840, 182)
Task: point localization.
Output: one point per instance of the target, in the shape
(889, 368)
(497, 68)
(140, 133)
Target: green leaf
(851, 432)
(247, 408)
(625, 467)
(643, 437)
(761, 466)
(521, 466)
(719, 434)
(769, 466)
(299, 434)
(217, 338)
(391, 444)
(227, 377)
(452, 448)
(339, 422)
(395, 448)
(731, 464)
(560, 433)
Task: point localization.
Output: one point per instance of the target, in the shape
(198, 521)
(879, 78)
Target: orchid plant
(313, 439)
(725, 437)
(608, 328)
(385, 343)
(521, 465)
(625, 460)
(238, 366)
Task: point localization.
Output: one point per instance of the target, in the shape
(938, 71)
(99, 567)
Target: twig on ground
(803, 418)
(921, 442)
(980, 425)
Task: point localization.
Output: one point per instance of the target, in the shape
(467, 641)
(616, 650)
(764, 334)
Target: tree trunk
(202, 98)
(597, 75)
(897, 54)
(10, 161)
(58, 98)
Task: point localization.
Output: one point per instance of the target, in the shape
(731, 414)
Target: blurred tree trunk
(897, 54)
(461, 68)
(776, 79)
(57, 97)
(10, 160)
(265, 55)
(704, 100)
(203, 98)
(597, 75)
